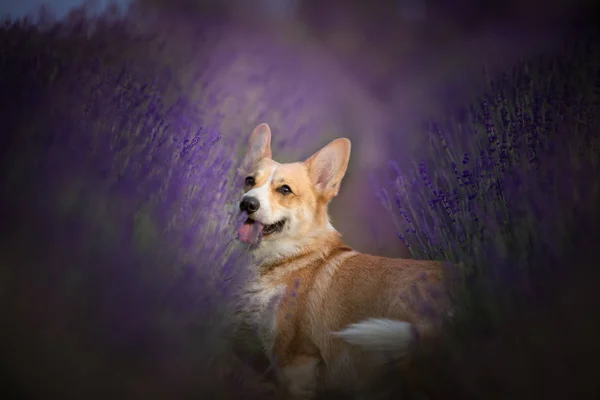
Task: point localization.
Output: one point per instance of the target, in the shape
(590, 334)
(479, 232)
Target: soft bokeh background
(371, 72)
(123, 125)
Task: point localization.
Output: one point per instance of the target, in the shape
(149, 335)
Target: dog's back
(351, 311)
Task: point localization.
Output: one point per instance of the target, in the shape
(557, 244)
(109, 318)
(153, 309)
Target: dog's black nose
(249, 204)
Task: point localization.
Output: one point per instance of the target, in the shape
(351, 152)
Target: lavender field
(120, 140)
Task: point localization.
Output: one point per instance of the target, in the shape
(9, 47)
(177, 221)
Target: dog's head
(287, 203)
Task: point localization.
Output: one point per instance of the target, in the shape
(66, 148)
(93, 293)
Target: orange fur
(309, 288)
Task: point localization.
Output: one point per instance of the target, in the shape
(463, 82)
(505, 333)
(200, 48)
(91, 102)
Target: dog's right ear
(259, 147)
(327, 167)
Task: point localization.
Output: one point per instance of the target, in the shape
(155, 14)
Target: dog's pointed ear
(327, 167)
(259, 146)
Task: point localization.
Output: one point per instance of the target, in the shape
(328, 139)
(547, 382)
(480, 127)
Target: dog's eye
(249, 181)
(284, 189)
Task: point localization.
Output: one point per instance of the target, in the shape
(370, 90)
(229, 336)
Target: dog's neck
(287, 251)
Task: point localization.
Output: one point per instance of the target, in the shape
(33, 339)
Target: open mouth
(267, 229)
(252, 230)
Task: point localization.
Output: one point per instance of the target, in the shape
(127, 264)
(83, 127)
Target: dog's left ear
(327, 167)
(259, 147)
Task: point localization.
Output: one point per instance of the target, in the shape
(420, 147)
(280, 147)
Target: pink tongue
(248, 233)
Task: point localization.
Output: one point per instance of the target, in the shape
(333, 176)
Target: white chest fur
(260, 300)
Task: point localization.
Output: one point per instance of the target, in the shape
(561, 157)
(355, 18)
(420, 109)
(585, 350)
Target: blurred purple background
(313, 69)
(373, 71)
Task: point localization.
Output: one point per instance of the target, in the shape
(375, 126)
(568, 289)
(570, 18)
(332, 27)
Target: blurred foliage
(126, 198)
(511, 192)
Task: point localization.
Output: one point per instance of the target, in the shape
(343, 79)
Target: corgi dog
(326, 316)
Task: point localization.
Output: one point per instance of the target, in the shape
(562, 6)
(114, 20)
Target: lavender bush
(119, 260)
(510, 191)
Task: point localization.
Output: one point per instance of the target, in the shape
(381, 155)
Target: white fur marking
(262, 194)
(379, 334)
(260, 303)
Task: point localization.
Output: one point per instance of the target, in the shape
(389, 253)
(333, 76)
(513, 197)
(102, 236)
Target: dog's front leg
(298, 378)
